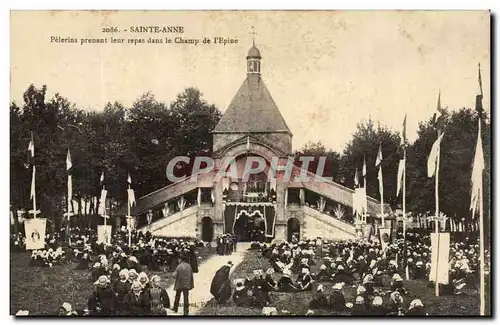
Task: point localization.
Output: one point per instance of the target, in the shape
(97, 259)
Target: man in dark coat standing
(221, 286)
(184, 282)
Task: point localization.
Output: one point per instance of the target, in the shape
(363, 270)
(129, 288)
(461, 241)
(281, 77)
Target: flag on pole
(437, 114)
(70, 188)
(356, 178)
(433, 156)
(355, 202)
(401, 169)
(378, 163)
(76, 207)
(131, 197)
(479, 96)
(379, 156)
(32, 192)
(102, 178)
(364, 167)
(31, 146)
(129, 179)
(477, 171)
(403, 133)
(68, 161)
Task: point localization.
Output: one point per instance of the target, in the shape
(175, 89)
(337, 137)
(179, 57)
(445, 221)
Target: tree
(457, 155)
(318, 150)
(364, 146)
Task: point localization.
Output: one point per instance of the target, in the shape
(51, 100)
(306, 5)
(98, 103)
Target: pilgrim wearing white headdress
(285, 283)
(305, 281)
(395, 304)
(319, 300)
(103, 299)
(260, 294)
(337, 298)
(270, 284)
(377, 307)
(240, 295)
(416, 308)
(158, 297)
(136, 302)
(359, 308)
(121, 288)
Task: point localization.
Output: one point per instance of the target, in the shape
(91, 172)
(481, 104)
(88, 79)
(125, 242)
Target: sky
(326, 70)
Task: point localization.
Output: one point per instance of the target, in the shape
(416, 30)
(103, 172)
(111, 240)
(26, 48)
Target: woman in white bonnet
(377, 308)
(319, 300)
(121, 288)
(305, 282)
(337, 299)
(136, 302)
(416, 308)
(285, 283)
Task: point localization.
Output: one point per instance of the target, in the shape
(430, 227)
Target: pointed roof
(252, 110)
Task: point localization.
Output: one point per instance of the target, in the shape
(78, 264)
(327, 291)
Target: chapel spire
(253, 58)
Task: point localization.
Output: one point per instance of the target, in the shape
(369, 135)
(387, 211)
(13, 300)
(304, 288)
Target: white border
(494, 5)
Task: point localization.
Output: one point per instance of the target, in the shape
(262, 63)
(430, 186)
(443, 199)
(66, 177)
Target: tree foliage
(117, 140)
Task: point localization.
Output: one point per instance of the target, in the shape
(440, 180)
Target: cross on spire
(253, 35)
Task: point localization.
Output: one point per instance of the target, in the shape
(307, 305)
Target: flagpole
(404, 194)
(436, 222)
(481, 250)
(34, 190)
(104, 188)
(382, 196)
(130, 221)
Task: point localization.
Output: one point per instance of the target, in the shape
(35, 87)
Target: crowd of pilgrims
(376, 275)
(226, 244)
(120, 285)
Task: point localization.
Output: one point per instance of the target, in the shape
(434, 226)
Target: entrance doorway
(207, 229)
(249, 227)
(293, 228)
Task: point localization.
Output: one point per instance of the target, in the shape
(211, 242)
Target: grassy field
(297, 303)
(42, 290)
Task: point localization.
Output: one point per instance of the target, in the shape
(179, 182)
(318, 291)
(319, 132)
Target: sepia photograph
(216, 163)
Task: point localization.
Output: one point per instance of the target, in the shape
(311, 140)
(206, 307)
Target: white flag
(76, 206)
(364, 167)
(379, 156)
(440, 250)
(31, 146)
(102, 203)
(102, 178)
(129, 179)
(401, 169)
(433, 156)
(477, 172)
(68, 161)
(70, 188)
(32, 192)
(355, 202)
(131, 197)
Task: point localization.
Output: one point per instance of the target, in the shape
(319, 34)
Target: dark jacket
(183, 277)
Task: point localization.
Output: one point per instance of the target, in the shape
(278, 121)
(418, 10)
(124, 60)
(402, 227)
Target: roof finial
(253, 35)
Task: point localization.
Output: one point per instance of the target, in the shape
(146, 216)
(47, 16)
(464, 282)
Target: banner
(35, 233)
(131, 223)
(440, 253)
(367, 232)
(104, 234)
(385, 237)
(270, 221)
